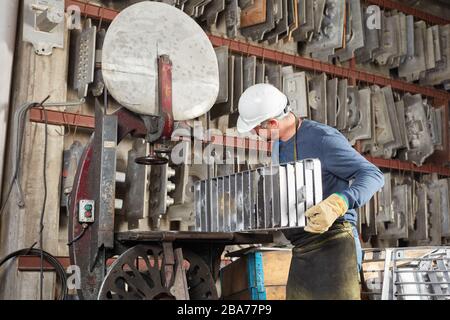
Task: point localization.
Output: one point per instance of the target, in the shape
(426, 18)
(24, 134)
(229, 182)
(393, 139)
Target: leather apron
(324, 266)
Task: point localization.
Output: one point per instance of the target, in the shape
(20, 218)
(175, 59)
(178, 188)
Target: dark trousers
(324, 266)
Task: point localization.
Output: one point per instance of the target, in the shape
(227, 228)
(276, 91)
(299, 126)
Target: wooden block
(276, 267)
(276, 292)
(234, 277)
(254, 14)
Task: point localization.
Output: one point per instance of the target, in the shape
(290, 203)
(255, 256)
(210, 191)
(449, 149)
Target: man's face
(268, 130)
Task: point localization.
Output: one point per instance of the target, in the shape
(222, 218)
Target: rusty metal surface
(254, 13)
(84, 252)
(195, 237)
(105, 146)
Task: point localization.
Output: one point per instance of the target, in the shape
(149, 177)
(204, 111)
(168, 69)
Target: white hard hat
(259, 103)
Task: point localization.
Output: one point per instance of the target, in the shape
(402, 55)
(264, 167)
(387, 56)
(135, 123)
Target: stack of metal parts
(420, 273)
(237, 73)
(271, 197)
(387, 124)
(334, 30)
(413, 211)
(418, 51)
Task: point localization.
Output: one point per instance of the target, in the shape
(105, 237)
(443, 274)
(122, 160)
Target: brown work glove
(322, 216)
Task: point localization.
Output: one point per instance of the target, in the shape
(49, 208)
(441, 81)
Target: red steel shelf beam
(408, 166)
(61, 118)
(389, 4)
(86, 121)
(93, 11)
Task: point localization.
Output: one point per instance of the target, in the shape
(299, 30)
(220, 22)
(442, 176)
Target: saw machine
(160, 66)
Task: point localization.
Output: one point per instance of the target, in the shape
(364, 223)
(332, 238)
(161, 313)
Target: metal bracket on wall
(44, 24)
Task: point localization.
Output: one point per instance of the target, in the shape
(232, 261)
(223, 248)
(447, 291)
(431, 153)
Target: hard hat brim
(244, 127)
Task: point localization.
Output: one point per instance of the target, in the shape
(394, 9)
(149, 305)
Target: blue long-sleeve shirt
(340, 164)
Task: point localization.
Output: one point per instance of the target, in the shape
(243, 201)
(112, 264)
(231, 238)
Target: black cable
(78, 237)
(44, 202)
(50, 259)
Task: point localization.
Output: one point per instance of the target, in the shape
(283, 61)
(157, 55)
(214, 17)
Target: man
(327, 252)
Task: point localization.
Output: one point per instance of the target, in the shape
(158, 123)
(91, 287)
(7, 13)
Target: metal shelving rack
(438, 97)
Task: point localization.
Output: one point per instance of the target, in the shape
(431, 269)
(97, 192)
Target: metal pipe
(8, 26)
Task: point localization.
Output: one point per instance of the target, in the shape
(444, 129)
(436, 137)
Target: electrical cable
(44, 202)
(78, 237)
(19, 124)
(31, 252)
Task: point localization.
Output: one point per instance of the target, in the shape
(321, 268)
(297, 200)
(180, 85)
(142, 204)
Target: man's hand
(321, 216)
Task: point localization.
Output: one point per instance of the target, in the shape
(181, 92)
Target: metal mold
(317, 98)
(267, 198)
(294, 86)
(84, 63)
(332, 101)
(257, 31)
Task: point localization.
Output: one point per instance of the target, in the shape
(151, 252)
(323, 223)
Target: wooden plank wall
(35, 77)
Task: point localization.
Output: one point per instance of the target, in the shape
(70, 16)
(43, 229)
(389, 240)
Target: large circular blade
(134, 40)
